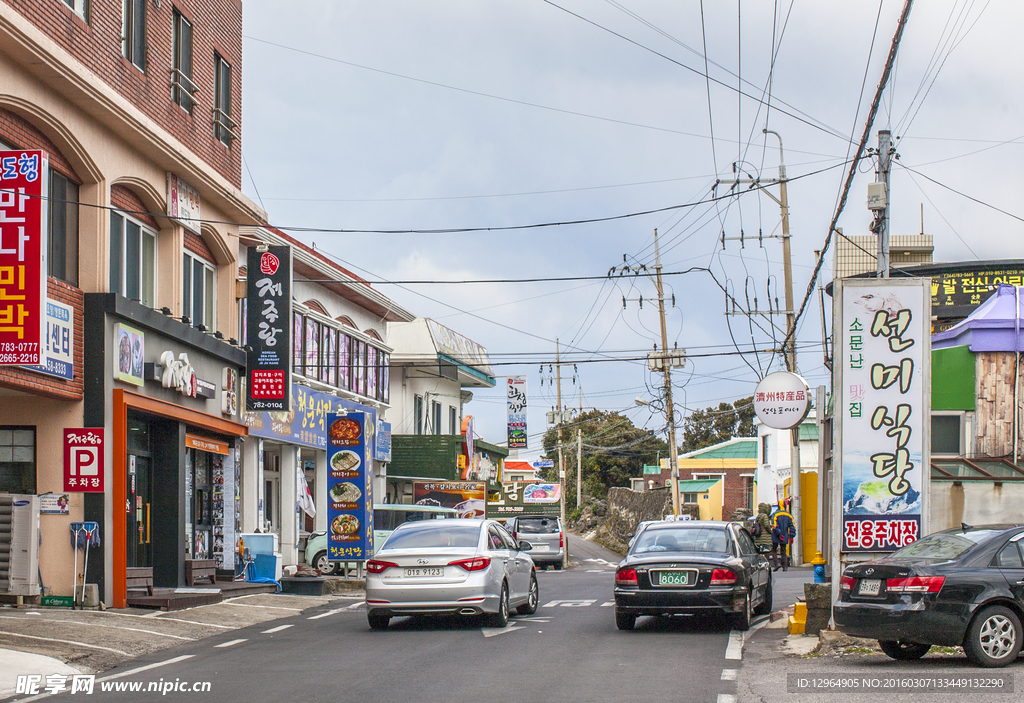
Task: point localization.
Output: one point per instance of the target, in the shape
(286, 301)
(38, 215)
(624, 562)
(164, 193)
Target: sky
(387, 121)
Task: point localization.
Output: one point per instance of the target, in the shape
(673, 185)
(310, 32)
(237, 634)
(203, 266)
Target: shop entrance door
(201, 507)
(139, 508)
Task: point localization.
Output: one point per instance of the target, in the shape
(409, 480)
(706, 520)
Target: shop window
(133, 32)
(132, 259)
(435, 416)
(360, 364)
(312, 341)
(18, 460)
(183, 90)
(62, 245)
(225, 129)
(453, 419)
(331, 346)
(344, 361)
(947, 434)
(418, 413)
(385, 383)
(298, 322)
(199, 291)
(372, 372)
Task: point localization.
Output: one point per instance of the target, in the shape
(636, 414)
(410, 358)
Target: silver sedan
(465, 567)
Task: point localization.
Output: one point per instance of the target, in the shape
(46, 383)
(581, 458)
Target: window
(132, 259)
(18, 460)
(63, 235)
(764, 449)
(330, 349)
(418, 413)
(453, 419)
(312, 348)
(344, 361)
(1009, 557)
(183, 89)
(946, 434)
(224, 128)
(199, 290)
(385, 391)
(435, 416)
(689, 497)
(372, 371)
(297, 343)
(133, 32)
(81, 7)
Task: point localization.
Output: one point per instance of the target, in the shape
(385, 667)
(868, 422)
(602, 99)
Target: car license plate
(676, 578)
(540, 547)
(425, 571)
(869, 587)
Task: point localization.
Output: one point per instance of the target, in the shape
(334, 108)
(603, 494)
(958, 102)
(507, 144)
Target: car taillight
(561, 541)
(474, 564)
(375, 566)
(916, 584)
(846, 583)
(515, 536)
(723, 577)
(625, 577)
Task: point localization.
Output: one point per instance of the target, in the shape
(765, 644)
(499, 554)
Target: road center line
(276, 629)
(735, 649)
(726, 698)
(729, 674)
(329, 612)
(253, 605)
(147, 667)
(230, 643)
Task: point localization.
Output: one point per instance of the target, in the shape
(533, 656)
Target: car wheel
(322, 564)
(766, 605)
(741, 620)
(903, 651)
(530, 606)
(624, 621)
(378, 621)
(500, 618)
(994, 637)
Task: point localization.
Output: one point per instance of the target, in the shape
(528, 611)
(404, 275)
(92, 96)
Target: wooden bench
(196, 569)
(140, 578)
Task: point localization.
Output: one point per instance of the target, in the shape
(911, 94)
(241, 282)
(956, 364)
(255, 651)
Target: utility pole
(561, 458)
(579, 457)
(666, 366)
(884, 165)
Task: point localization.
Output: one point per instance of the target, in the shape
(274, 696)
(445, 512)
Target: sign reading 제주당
(268, 329)
(883, 347)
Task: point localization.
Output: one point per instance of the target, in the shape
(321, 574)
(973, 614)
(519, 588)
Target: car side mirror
(525, 546)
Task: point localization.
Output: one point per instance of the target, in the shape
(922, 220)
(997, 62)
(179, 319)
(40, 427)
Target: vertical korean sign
(269, 323)
(516, 398)
(883, 344)
(83, 460)
(24, 191)
(349, 488)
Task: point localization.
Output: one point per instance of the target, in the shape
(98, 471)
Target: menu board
(349, 487)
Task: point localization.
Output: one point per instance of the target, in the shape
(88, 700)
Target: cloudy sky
(388, 116)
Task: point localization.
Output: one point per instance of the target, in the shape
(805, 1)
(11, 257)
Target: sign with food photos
(883, 347)
(24, 192)
(349, 487)
(269, 329)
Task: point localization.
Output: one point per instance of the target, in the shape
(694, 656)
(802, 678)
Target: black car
(693, 567)
(960, 587)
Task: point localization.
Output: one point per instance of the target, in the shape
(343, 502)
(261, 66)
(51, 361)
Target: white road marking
(190, 622)
(52, 639)
(329, 612)
(608, 604)
(252, 605)
(570, 603)
(109, 627)
(492, 631)
(726, 698)
(533, 619)
(136, 670)
(355, 606)
(598, 571)
(276, 629)
(729, 674)
(735, 649)
(601, 561)
(229, 643)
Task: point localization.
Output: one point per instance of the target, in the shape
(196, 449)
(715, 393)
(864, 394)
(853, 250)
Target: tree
(703, 428)
(614, 450)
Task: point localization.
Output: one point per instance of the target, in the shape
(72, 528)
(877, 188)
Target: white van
(386, 517)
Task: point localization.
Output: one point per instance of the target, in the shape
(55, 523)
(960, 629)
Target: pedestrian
(782, 535)
(763, 528)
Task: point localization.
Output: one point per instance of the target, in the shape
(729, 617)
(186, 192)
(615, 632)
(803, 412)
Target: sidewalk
(92, 641)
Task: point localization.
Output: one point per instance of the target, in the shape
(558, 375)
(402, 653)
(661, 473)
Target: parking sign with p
(83, 460)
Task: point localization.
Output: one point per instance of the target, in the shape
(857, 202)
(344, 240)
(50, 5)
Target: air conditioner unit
(19, 544)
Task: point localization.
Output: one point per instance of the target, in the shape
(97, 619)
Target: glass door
(201, 505)
(139, 509)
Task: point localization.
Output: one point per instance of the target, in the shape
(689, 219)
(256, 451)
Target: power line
(505, 280)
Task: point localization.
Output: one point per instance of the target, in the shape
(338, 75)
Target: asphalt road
(568, 651)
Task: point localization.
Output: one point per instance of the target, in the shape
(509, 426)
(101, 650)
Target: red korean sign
(83, 460)
(24, 191)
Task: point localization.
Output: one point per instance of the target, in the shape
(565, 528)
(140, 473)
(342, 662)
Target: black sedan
(693, 567)
(960, 587)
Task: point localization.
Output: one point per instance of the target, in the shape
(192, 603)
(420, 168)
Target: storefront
(166, 395)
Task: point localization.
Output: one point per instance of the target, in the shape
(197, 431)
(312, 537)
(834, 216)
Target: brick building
(138, 106)
(734, 461)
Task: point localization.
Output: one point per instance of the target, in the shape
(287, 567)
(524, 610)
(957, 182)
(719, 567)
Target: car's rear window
(943, 545)
(424, 535)
(682, 539)
(537, 526)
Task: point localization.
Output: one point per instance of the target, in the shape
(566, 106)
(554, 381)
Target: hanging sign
(24, 189)
(781, 400)
(516, 402)
(269, 342)
(349, 487)
(83, 460)
(59, 348)
(183, 204)
(882, 345)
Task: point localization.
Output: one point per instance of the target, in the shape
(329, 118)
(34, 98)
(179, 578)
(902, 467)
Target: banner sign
(349, 487)
(183, 204)
(467, 498)
(516, 396)
(59, 349)
(269, 329)
(83, 460)
(524, 498)
(883, 346)
(54, 504)
(781, 400)
(383, 443)
(129, 354)
(307, 424)
(24, 193)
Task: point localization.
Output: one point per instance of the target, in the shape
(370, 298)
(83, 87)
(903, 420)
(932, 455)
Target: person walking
(782, 535)
(763, 528)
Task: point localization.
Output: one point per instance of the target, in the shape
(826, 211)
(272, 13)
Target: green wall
(953, 379)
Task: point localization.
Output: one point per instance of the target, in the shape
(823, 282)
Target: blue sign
(349, 487)
(308, 422)
(59, 348)
(543, 464)
(383, 452)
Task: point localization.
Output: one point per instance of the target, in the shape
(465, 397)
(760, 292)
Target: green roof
(697, 486)
(809, 430)
(737, 448)
(651, 469)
